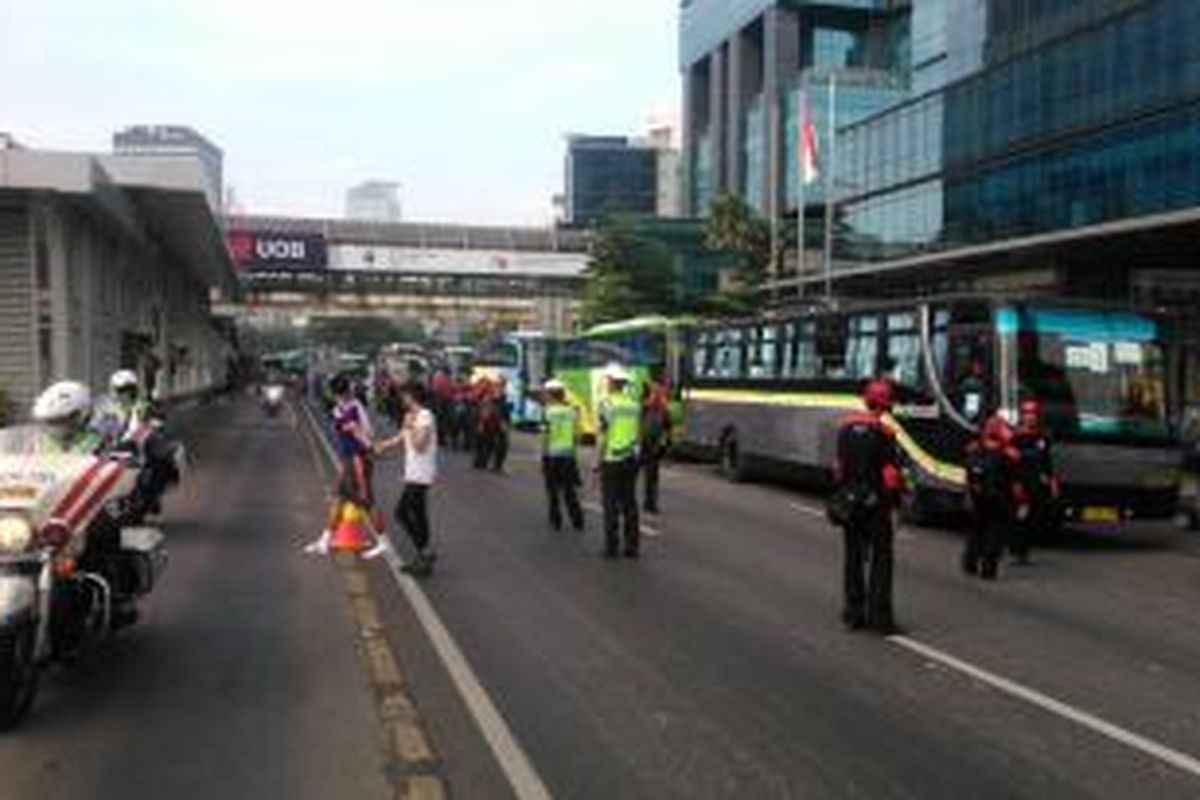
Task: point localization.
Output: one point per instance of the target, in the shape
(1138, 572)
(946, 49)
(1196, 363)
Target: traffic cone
(350, 534)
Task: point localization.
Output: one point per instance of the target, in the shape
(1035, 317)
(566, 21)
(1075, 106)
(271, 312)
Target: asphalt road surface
(714, 667)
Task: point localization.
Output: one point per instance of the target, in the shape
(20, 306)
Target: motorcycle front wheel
(18, 674)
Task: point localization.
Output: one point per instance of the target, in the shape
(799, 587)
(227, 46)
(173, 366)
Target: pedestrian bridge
(521, 276)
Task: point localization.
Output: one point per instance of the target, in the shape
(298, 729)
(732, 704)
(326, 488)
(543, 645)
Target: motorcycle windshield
(27, 440)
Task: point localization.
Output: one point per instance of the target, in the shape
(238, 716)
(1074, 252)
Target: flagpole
(801, 125)
(831, 168)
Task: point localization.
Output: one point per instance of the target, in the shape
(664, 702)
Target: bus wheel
(730, 464)
(916, 508)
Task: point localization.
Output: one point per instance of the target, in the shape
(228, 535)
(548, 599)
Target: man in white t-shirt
(418, 438)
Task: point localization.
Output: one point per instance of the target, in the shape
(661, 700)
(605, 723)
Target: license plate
(1101, 514)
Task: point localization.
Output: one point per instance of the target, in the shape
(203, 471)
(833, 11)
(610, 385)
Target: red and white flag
(810, 168)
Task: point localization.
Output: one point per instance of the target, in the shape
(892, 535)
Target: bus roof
(638, 324)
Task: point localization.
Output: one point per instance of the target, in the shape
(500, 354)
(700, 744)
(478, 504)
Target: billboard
(270, 250)
(461, 261)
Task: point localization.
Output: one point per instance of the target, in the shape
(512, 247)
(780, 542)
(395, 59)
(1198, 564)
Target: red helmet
(1030, 405)
(878, 395)
(997, 430)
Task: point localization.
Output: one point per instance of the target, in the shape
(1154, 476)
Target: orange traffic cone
(350, 534)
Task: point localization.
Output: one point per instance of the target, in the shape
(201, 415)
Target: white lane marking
(518, 769)
(595, 508)
(1181, 761)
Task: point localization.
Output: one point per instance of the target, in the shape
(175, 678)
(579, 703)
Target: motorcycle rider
(122, 410)
(128, 421)
(64, 412)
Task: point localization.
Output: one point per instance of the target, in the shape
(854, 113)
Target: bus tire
(730, 463)
(916, 508)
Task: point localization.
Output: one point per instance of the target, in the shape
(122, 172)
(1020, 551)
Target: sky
(466, 103)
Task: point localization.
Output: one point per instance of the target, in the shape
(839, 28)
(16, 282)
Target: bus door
(964, 348)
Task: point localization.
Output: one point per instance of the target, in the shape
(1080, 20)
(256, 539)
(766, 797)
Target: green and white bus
(646, 346)
(770, 391)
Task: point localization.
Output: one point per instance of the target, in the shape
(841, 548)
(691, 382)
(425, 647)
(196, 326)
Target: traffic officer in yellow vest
(560, 436)
(620, 429)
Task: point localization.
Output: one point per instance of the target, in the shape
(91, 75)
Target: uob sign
(266, 250)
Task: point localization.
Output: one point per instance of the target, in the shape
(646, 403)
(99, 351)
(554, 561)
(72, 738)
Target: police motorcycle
(74, 560)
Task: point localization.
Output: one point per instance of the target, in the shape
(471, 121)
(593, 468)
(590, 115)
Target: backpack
(988, 474)
(861, 452)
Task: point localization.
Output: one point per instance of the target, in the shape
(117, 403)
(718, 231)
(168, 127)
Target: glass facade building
(607, 175)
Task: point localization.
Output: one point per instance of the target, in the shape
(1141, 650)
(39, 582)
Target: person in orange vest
(868, 481)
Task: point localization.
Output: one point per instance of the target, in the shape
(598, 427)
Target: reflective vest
(558, 438)
(622, 417)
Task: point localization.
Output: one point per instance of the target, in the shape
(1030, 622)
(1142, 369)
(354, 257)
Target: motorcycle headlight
(16, 535)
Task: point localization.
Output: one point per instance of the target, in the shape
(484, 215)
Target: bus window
(903, 350)
(862, 348)
(701, 355)
(762, 352)
(831, 343)
(727, 355)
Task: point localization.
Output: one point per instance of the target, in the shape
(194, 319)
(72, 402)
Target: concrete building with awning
(108, 262)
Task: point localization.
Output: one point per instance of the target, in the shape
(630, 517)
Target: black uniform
(1036, 471)
(991, 479)
(868, 476)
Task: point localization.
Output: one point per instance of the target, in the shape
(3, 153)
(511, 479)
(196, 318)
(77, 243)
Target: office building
(609, 175)
(1003, 144)
(176, 140)
(374, 201)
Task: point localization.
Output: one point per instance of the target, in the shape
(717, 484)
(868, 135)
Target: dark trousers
(491, 449)
(991, 526)
(867, 574)
(618, 484)
(1038, 524)
(562, 488)
(651, 460)
(412, 512)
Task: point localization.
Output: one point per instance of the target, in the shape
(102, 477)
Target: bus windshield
(646, 348)
(503, 355)
(1098, 374)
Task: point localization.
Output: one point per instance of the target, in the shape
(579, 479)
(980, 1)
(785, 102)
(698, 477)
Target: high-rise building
(176, 140)
(608, 175)
(979, 143)
(669, 202)
(374, 201)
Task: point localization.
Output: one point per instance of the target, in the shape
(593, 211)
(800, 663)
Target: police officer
(868, 478)
(996, 495)
(1036, 469)
(620, 418)
(560, 467)
(63, 414)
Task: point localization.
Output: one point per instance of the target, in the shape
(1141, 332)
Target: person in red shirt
(656, 438)
(868, 481)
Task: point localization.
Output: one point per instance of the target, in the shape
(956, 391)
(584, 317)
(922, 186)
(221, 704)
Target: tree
(627, 275)
(733, 226)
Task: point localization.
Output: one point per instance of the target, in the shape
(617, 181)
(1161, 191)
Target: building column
(781, 67)
(717, 115)
(735, 111)
(687, 144)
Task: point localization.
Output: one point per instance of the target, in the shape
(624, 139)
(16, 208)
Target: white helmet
(62, 401)
(123, 379)
(615, 372)
(554, 385)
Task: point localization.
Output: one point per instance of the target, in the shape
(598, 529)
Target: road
(714, 667)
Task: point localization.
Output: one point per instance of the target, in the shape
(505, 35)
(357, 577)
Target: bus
(521, 358)
(646, 346)
(769, 392)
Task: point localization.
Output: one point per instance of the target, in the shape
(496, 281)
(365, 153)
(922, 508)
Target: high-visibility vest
(622, 418)
(558, 438)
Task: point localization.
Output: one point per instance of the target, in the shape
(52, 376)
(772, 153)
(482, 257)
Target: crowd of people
(476, 417)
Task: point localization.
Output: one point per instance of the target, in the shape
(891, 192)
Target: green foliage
(627, 275)
(733, 226)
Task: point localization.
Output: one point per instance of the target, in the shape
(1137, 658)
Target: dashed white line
(522, 776)
(1156, 750)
